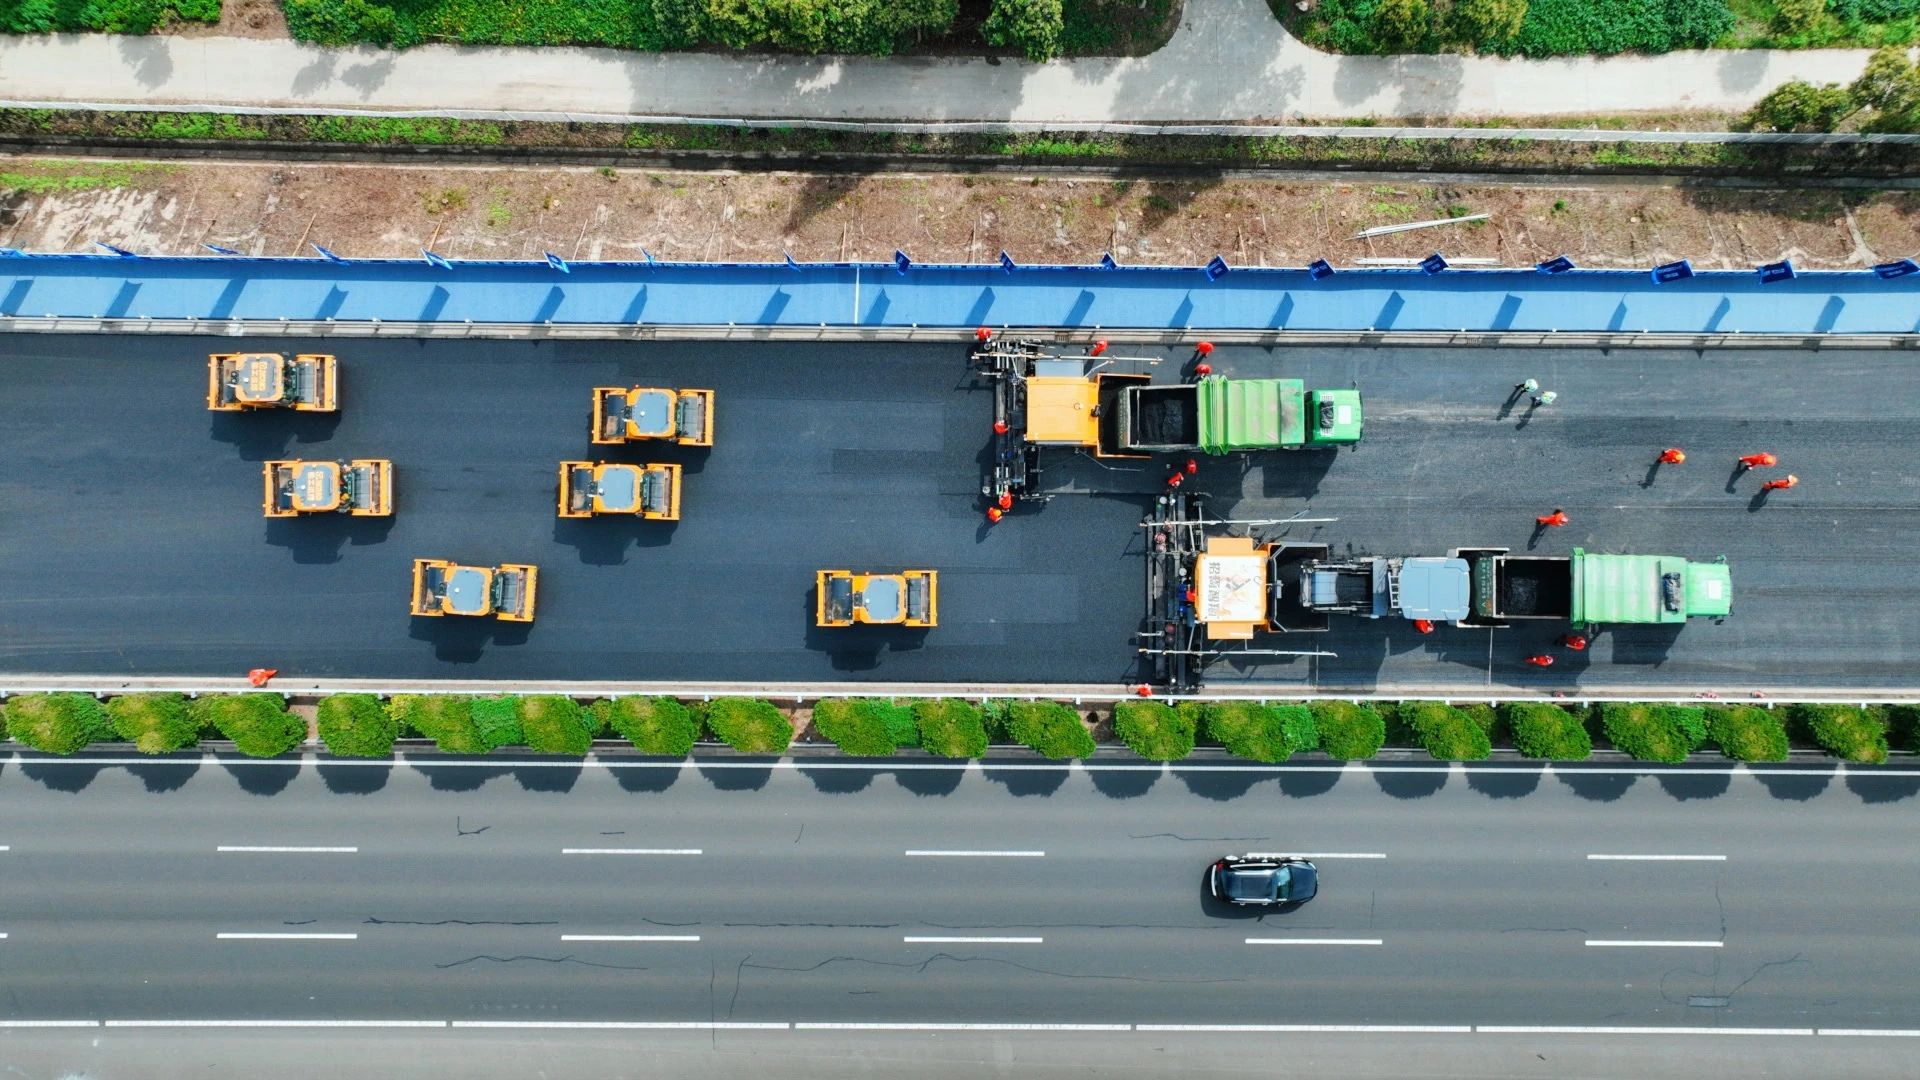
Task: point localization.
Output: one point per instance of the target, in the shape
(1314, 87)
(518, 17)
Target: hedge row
(362, 725)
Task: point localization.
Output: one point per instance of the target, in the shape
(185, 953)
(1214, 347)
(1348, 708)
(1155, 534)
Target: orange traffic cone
(259, 676)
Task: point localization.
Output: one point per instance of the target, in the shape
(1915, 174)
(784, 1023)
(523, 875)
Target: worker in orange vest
(1542, 660)
(1425, 626)
(1576, 642)
(1779, 485)
(1672, 455)
(1761, 460)
(1553, 520)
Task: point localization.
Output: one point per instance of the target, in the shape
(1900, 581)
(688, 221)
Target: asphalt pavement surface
(134, 543)
(831, 900)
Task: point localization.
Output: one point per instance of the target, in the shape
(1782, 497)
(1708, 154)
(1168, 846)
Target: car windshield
(1257, 883)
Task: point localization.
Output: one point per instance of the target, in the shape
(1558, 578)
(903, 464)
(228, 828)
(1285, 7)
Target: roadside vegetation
(109, 16)
(363, 725)
(1885, 99)
(1544, 28)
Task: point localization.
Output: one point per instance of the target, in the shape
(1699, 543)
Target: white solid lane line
(277, 1023)
(1404, 1029)
(625, 1025)
(242, 936)
(1894, 1033)
(960, 1027)
(1488, 1029)
(629, 851)
(922, 853)
(1621, 944)
(275, 849)
(949, 940)
(1341, 855)
(48, 1023)
(909, 1026)
(629, 937)
(1313, 941)
(1657, 858)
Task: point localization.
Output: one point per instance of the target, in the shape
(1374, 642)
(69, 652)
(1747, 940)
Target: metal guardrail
(1014, 127)
(55, 324)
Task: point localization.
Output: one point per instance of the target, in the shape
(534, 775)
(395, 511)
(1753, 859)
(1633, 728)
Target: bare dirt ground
(239, 18)
(386, 211)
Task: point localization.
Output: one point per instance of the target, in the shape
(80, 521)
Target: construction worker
(1528, 386)
(1425, 626)
(1761, 460)
(1672, 455)
(1780, 485)
(1553, 520)
(1545, 397)
(1576, 642)
(1542, 660)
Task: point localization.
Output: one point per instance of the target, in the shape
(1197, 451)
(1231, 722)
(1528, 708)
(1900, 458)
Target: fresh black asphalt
(133, 543)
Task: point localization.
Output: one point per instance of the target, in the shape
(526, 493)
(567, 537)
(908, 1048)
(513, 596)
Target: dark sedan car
(1263, 880)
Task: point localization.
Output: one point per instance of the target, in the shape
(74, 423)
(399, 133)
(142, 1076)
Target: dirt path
(373, 211)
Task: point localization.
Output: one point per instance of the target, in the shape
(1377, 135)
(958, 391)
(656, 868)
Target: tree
(1880, 83)
(1800, 106)
(357, 725)
(1478, 22)
(553, 724)
(1399, 25)
(658, 725)
(258, 724)
(57, 723)
(1032, 26)
(154, 723)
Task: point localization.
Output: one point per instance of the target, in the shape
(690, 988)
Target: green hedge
(258, 724)
(1349, 731)
(657, 725)
(950, 727)
(749, 725)
(1261, 732)
(57, 723)
(1050, 728)
(357, 725)
(154, 723)
(1547, 731)
(857, 726)
(553, 724)
(1447, 733)
(496, 721)
(1547, 27)
(1845, 731)
(109, 16)
(1746, 733)
(1653, 732)
(447, 719)
(1154, 730)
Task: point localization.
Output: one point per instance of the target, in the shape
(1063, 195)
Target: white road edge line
(1594, 944)
(1341, 855)
(972, 940)
(630, 851)
(1657, 858)
(630, 1025)
(977, 854)
(48, 1023)
(276, 1023)
(629, 937)
(1895, 1033)
(1410, 1029)
(1491, 1029)
(265, 849)
(238, 936)
(1313, 941)
(958, 1027)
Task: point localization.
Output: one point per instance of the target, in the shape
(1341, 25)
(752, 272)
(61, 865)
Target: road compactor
(506, 591)
(642, 413)
(909, 598)
(362, 487)
(237, 382)
(650, 491)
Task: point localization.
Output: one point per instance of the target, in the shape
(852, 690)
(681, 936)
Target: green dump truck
(1590, 589)
(1219, 415)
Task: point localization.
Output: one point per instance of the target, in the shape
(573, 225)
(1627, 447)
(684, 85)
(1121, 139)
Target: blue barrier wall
(881, 294)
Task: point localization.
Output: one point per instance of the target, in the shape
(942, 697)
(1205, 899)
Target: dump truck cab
(650, 491)
(909, 598)
(641, 413)
(362, 487)
(446, 588)
(1591, 589)
(240, 381)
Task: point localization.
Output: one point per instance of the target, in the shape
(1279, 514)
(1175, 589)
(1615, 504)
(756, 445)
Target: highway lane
(135, 542)
(461, 893)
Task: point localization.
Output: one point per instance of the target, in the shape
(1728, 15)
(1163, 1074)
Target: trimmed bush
(1449, 734)
(1847, 732)
(1903, 724)
(258, 724)
(447, 719)
(1654, 732)
(154, 723)
(1050, 728)
(357, 725)
(1799, 106)
(1032, 26)
(658, 725)
(1153, 730)
(1746, 733)
(57, 723)
(749, 725)
(1348, 731)
(950, 727)
(553, 724)
(1260, 732)
(898, 717)
(855, 725)
(1547, 731)
(496, 721)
